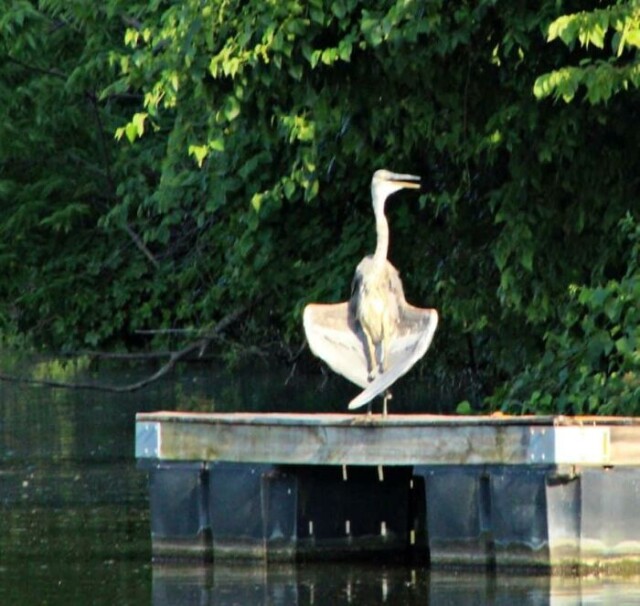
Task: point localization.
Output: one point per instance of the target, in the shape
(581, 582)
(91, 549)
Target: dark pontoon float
(552, 493)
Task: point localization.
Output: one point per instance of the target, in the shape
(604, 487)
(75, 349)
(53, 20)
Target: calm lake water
(74, 519)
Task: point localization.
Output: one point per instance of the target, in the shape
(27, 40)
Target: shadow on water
(74, 514)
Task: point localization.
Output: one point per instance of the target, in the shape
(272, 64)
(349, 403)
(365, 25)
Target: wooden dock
(556, 493)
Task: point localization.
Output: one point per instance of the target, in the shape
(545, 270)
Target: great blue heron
(376, 336)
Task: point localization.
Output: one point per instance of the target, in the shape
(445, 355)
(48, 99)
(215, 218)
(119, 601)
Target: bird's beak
(408, 181)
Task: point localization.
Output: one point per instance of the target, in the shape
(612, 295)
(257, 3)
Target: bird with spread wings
(375, 337)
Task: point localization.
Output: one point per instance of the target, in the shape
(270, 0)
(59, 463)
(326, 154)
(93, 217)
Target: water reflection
(73, 506)
(338, 585)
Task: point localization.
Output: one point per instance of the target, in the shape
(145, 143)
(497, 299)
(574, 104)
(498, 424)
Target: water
(74, 518)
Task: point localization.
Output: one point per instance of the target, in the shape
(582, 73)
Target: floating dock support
(552, 493)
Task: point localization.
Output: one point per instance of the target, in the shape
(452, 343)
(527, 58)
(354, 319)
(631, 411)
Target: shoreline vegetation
(165, 167)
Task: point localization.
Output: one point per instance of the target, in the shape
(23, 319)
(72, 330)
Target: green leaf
(625, 345)
(256, 201)
(138, 121)
(526, 258)
(217, 144)
(231, 108)
(131, 130)
(200, 152)
(464, 408)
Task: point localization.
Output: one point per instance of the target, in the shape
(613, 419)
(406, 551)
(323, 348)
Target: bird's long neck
(382, 234)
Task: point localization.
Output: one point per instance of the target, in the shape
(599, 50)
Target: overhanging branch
(199, 345)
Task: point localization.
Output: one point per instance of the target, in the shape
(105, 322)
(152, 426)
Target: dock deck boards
(347, 439)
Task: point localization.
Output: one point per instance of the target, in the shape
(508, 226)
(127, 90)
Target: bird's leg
(382, 351)
(387, 396)
(372, 365)
(384, 365)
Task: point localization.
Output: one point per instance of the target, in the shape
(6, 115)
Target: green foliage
(464, 408)
(592, 364)
(164, 163)
(59, 369)
(616, 28)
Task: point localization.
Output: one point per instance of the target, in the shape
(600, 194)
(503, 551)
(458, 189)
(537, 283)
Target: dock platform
(553, 493)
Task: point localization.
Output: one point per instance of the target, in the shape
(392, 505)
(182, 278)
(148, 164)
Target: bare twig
(169, 331)
(131, 22)
(292, 372)
(199, 345)
(137, 240)
(108, 355)
(165, 369)
(293, 358)
(40, 70)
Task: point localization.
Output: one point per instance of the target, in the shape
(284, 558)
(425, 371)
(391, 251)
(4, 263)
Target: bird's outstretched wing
(416, 328)
(334, 337)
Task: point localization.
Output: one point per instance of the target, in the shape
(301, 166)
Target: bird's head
(384, 183)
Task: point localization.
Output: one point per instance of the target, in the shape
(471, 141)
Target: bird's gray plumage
(375, 337)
